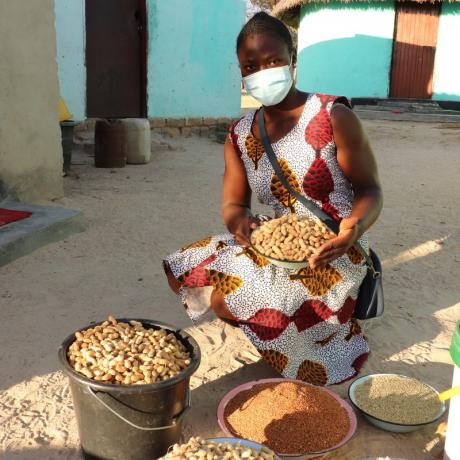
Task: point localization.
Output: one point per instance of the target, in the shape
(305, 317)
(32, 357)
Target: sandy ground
(138, 214)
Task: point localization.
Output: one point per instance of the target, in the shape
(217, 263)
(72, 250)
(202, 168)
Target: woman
(302, 327)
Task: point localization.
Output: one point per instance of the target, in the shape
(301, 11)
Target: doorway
(414, 49)
(116, 58)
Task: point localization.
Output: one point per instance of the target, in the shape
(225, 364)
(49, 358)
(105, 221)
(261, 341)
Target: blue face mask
(269, 86)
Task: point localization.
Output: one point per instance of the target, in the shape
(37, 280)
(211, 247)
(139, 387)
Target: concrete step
(371, 113)
(395, 108)
(429, 105)
(46, 225)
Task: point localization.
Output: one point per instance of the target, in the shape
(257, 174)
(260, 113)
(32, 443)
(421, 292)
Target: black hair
(261, 23)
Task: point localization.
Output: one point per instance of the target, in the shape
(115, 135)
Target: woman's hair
(261, 23)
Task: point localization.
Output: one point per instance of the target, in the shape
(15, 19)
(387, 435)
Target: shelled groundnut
(127, 353)
(201, 449)
(290, 238)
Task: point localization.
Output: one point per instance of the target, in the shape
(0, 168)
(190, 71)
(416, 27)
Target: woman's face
(262, 51)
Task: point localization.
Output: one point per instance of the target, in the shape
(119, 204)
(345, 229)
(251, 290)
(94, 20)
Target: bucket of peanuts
(290, 241)
(129, 380)
(220, 449)
(295, 419)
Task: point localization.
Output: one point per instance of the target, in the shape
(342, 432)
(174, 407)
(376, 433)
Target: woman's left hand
(338, 246)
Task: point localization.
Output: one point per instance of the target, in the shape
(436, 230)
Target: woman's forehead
(262, 44)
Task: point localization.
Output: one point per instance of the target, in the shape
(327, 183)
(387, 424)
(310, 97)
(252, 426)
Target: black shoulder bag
(370, 298)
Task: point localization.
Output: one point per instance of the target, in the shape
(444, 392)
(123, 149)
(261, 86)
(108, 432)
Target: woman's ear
(294, 67)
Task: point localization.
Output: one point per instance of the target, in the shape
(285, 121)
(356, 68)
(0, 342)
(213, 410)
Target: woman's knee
(172, 280)
(221, 310)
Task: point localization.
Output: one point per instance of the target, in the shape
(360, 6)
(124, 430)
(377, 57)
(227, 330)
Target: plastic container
(67, 128)
(135, 422)
(300, 456)
(138, 140)
(452, 446)
(109, 144)
(243, 442)
(64, 113)
(385, 424)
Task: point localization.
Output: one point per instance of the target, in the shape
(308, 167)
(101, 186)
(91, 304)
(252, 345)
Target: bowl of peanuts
(220, 448)
(290, 241)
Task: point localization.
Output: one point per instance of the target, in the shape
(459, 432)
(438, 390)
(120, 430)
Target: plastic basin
(300, 456)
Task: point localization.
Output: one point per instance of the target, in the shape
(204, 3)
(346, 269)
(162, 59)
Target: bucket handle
(175, 419)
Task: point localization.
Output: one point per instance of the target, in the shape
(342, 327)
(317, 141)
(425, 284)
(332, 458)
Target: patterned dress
(302, 326)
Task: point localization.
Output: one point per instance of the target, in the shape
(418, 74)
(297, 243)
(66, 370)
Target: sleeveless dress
(302, 327)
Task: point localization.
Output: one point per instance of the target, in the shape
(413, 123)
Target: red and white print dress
(302, 327)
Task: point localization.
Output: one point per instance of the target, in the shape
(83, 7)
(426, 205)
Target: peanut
(201, 449)
(290, 238)
(122, 353)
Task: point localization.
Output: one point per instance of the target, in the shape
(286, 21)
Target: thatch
(289, 10)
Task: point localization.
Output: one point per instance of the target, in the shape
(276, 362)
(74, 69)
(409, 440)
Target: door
(116, 58)
(414, 49)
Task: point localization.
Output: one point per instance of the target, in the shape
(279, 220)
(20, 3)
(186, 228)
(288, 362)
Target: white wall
(70, 41)
(446, 79)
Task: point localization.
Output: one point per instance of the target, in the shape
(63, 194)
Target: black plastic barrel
(130, 422)
(110, 144)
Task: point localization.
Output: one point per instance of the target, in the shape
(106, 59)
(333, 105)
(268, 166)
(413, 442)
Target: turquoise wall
(446, 79)
(192, 65)
(346, 48)
(70, 44)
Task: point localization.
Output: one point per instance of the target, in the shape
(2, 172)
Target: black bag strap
(312, 207)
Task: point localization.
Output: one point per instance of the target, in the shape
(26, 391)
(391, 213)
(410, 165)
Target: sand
(138, 214)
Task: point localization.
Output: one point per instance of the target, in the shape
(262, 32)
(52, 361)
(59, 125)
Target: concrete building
(377, 49)
(149, 58)
(30, 145)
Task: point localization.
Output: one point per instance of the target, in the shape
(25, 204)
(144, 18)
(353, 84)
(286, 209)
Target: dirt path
(138, 214)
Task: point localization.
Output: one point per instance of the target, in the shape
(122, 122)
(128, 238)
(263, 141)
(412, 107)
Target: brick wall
(199, 126)
(214, 128)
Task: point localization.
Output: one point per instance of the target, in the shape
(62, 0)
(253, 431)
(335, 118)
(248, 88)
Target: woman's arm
(357, 161)
(236, 196)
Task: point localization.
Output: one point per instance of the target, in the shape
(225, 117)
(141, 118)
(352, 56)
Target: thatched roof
(289, 10)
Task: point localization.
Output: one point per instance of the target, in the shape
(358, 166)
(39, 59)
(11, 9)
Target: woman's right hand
(243, 229)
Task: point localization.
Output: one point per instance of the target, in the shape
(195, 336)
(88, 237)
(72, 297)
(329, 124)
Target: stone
(195, 130)
(157, 122)
(224, 121)
(204, 131)
(209, 121)
(223, 127)
(194, 121)
(221, 137)
(175, 122)
(159, 143)
(171, 132)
